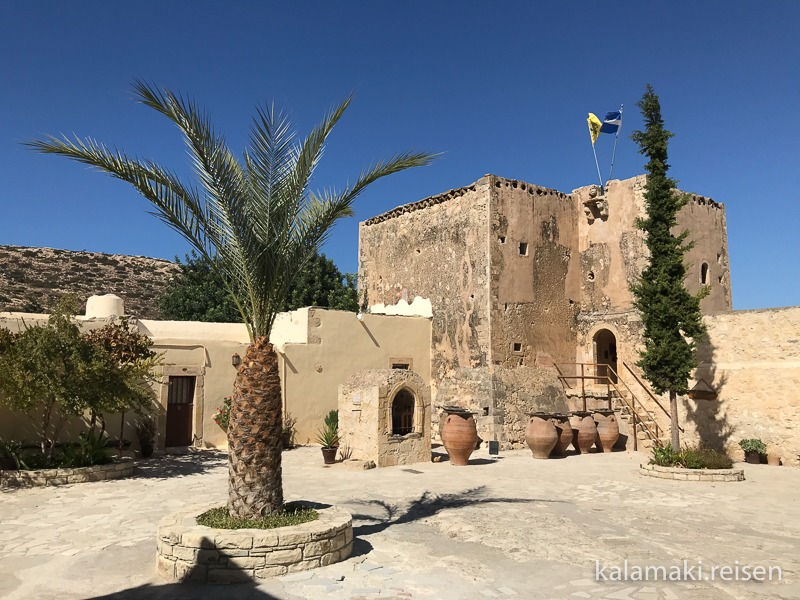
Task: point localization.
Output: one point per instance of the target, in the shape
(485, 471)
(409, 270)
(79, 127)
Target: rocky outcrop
(33, 279)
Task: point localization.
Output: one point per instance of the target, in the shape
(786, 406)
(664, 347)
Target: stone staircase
(648, 428)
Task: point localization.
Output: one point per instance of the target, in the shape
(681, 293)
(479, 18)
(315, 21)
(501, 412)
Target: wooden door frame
(198, 373)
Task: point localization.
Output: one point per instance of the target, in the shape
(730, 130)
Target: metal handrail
(631, 405)
(649, 393)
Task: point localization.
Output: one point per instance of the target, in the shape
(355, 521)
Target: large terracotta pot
(607, 429)
(459, 434)
(564, 430)
(585, 431)
(541, 435)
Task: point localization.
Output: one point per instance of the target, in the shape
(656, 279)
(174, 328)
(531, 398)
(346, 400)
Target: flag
(612, 122)
(594, 127)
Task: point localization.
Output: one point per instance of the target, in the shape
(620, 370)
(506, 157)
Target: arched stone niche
(385, 417)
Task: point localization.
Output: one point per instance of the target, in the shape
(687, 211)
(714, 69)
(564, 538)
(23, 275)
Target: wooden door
(180, 411)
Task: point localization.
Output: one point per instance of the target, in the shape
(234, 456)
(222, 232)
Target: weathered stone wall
(436, 249)
(502, 399)
(365, 417)
(613, 251)
(535, 275)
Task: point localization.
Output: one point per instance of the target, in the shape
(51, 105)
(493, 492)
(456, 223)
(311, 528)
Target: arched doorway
(605, 353)
(403, 412)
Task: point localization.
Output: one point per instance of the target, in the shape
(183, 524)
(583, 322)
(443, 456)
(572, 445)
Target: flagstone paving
(514, 527)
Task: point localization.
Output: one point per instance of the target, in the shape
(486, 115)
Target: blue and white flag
(611, 122)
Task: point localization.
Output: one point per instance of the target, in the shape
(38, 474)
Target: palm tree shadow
(427, 505)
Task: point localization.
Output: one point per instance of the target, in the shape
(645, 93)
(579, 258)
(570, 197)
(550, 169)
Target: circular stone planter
(691, 474)
(187, 551)
(45, 477)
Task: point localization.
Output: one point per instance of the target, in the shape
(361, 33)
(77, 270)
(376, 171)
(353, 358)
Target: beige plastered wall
(203, 350)
(337, 344)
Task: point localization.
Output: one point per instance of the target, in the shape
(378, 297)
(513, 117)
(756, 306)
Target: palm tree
(257, 223)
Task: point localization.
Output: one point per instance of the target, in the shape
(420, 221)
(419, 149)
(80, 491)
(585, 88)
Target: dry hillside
(32, 279)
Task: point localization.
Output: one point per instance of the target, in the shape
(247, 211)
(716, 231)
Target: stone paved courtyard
(508, 528)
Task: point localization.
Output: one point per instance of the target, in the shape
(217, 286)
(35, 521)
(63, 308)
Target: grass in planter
(291, 514)
(690, 457)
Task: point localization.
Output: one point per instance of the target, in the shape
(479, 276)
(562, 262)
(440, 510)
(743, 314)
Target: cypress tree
(670, 314)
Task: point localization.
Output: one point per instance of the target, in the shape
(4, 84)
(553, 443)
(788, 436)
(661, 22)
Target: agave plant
(257, 223)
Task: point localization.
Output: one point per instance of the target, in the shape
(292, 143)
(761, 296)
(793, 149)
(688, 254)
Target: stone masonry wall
(435, 248)
(187, 551)
(613, 251)
(48, 477)
(753, 359)
(535, 277)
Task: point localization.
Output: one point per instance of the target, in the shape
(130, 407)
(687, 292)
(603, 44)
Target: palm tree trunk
(674, 430)
(255, 486)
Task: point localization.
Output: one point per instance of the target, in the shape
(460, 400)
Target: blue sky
(498, 87)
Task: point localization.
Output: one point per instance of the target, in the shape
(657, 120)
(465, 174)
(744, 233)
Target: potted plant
(328, 438)
(754, 449)
(146, 429)
(288, 430)
(223, 415)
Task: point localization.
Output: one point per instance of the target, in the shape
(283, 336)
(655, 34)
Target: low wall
(45, 477)
(691, 474)
(187, 551)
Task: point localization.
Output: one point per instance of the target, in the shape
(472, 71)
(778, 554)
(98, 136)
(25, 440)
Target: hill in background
(33, 279)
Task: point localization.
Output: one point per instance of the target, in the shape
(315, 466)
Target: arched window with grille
(403, 412)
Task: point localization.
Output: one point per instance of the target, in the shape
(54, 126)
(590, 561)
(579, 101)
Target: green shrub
(753, 445)
(664, 456)
(690, 457)
(89, 451)
(291, 514)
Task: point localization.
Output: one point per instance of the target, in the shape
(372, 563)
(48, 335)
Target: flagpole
(616, 137)
(600, 177)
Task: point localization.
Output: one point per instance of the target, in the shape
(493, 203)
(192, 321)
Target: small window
(704, 274)
(502, 239)
(403, 366)
(517, 346)
(523, 248)
(403, 413)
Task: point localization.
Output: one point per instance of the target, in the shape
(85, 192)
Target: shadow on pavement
(427, 505)
(176, 465)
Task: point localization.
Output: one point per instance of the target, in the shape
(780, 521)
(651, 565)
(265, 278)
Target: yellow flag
(594, 127)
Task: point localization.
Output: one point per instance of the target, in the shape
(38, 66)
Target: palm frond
(255, 221)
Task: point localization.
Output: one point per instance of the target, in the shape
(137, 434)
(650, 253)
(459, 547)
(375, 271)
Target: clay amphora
(564, 430)
(607, 429)
(585, 431)
(459, 435)
(541, 435)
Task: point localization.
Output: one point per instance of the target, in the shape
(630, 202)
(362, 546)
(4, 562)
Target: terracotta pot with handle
(541, 435)
(607, 428)
(459, 434)
(565, 433)
(585, 431)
